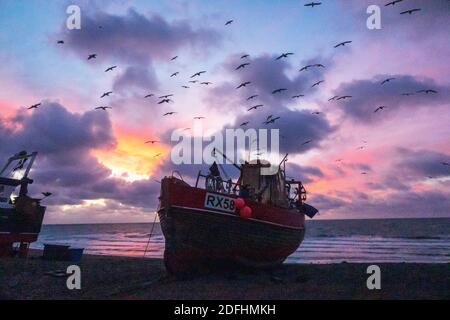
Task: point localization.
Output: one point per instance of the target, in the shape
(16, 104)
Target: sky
(359, 163)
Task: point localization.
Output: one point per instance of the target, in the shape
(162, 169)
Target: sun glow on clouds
(132, 159)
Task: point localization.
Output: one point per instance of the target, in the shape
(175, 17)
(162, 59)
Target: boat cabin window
(5, 196)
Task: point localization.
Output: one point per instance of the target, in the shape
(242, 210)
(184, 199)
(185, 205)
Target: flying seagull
(149, 95)
(229, 22)
(317, 83)
(244, 123)
(92, 56)
(392, 3)
(174, 58)
(165, 101)
(34, 106)
(445, 164)
(427, 91)
(47, 194)
(344, 97)
(206, 83)
(243, 84)
(174, 74)
(410, 11)
(256, 107)
(197, 74)
(333, 98)
(271, 120)
(298, 96)
(106, 94)
(316, 112)
(407, 94)
(284, 55)
(169, 113)
(279, 90)
(103, 108)
(313, 4)
(110, 68)
(342, 44)
(199, 118)
(387, 80)
(60, 42)
(245, 56)
(151, 141)
(157, 155)
(380, 108)
(306, 142)
(252, 97)
(193, 81)
(186, 87)
(242, 66)
(166, 96)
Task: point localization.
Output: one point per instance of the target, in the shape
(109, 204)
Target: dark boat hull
(197, 235)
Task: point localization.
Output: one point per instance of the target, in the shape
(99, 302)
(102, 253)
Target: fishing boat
(20, 215)
(257, 221)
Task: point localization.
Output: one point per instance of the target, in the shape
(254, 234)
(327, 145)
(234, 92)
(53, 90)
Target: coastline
(113, 277)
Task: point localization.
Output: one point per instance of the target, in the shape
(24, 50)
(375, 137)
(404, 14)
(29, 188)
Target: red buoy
(246, 212)
(239, 203)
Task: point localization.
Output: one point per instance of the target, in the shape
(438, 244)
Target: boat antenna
(226, 158)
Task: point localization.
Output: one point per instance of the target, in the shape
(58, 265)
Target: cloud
(134, 38)
(368, 95)
(136, 77)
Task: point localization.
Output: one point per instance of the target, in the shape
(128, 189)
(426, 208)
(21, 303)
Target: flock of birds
(245, 63)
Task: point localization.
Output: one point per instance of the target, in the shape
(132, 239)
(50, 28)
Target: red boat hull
(196, 234)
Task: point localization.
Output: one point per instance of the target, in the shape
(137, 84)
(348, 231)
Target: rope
(150, 236)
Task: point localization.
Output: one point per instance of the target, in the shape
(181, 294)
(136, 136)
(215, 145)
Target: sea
(326, 241)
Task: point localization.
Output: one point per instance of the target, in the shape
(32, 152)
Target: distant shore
(106, 277)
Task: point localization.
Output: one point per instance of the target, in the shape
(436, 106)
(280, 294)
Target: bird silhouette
(306, 142)
(165, 101)
(149, 95)
(244, 123)
(166, 96)
(298, 96)
(199, 118)
(316, 112)
(317, 83)
(244, 84)
(392, 3)
(46, 194)
(157, 155)
(427, 91)
(271, 120)
(169, 113)
(106, 94)
(387, 80)
(242, 66)
(151, 142)
(60, 42)
(313, 4)
(284, 55)
(333, 98)
(35, 106)
(245, 56)
(229, 22)
(252, 97)
(445, 164)
(407, 94)
(410, 11)
(206, 83)
(186, 87)
(198, 74)
(174, 74)
(380, 108)
(279, 90)
(92, 56)
(103, 108)
(174, 58)
(110, 68)
(342, 44)
(344, 97)
(256, 107)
